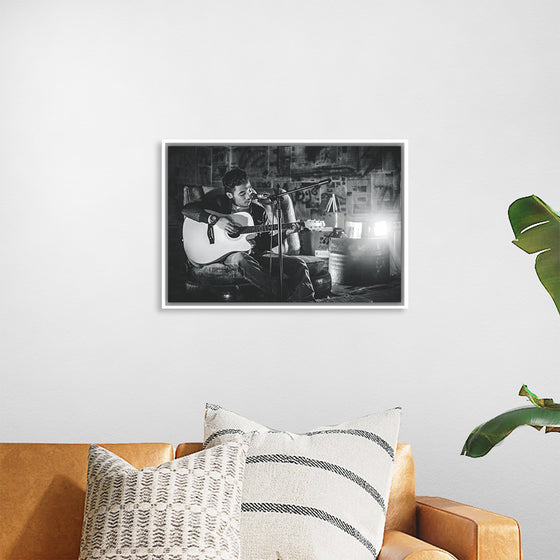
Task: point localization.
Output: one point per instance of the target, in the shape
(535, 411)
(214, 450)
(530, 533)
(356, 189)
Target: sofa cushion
(401, 510)
(186, 509)
(322, 494)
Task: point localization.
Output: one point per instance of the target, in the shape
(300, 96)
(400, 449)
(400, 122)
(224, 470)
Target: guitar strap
(210, 234)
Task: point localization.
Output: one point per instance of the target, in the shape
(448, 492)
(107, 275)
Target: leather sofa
(42, 492)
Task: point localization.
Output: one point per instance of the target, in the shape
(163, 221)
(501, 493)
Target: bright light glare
(380, 229)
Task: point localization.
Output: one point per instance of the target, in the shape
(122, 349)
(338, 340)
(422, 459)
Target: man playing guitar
(253, 265)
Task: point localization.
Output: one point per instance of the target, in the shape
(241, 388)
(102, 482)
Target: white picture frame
(367, 196)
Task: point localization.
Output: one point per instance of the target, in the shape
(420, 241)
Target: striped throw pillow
(187, 509)
(321, 495)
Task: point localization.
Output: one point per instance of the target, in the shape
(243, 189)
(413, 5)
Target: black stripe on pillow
(360, 433)
(315, 463)
(221, 433)
(311, 512)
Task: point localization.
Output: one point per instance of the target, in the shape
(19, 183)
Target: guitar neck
(266, 228)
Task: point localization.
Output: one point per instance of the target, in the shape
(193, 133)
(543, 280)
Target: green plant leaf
(537, 401)
(483, 438)
(536, 227)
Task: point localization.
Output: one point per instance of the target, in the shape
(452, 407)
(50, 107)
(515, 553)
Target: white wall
(88, 91)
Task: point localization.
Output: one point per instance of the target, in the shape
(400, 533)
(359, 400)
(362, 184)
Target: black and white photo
(284, 224)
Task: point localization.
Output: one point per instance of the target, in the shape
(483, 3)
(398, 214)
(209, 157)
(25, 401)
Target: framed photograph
(284, 224)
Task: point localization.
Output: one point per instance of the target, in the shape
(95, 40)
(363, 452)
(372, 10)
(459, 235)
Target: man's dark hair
(233, 178)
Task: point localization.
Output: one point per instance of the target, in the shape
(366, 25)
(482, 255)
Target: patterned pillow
(187, 509)
(316, 496)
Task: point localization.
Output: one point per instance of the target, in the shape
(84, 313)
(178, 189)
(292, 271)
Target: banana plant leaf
(544, 413)
(537, 401)
(536, 227)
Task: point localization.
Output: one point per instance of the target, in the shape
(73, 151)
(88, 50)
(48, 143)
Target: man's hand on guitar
(295, 228)
(228, 224)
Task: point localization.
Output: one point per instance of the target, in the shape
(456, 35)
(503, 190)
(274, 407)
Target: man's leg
(254, 273)
(298, 286)
(299, 279)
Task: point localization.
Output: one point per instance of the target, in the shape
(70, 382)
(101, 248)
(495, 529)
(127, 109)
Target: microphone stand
(275, 199)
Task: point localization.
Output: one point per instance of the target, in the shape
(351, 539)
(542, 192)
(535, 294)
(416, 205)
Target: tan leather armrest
(400, 546)
(467, 532)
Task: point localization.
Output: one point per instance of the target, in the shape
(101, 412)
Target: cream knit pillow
(187, 509)
(321, 495)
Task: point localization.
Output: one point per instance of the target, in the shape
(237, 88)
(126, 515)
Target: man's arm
(263, 240)
(196, 211)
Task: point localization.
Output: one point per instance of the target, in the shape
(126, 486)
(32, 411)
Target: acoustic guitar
(202, 248)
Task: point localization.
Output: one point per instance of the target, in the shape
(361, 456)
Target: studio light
(380, 229)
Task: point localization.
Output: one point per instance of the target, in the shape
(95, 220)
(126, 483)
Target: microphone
(259, 196)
